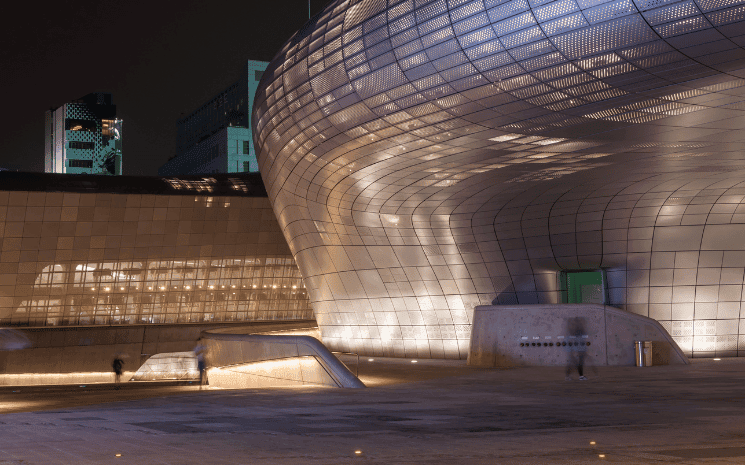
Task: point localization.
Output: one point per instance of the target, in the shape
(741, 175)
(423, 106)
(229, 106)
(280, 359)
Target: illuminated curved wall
(424, 157)
(100, 250)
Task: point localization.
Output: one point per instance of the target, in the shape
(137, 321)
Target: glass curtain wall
(166, 291)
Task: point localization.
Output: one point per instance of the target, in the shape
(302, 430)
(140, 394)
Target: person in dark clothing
(117, 366)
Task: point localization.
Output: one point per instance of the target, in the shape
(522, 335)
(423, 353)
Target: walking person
(200, 350)
(117, 366)
(576, 347)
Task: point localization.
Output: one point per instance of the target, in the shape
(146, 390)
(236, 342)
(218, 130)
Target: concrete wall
(539, 335)
(295, 371)
(92, 349)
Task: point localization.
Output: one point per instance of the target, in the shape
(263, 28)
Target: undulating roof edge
(230, 184)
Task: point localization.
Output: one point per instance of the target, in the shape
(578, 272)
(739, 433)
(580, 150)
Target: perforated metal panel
(464, 153)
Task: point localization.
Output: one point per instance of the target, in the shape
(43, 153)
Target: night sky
(159, 63)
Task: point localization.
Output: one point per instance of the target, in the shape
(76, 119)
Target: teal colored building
(84, 137)
(216, 138)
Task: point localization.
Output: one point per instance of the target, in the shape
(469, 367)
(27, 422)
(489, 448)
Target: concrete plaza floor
(431, 412)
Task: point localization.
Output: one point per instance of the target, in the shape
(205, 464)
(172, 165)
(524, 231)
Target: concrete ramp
(542, 335)
(253, 360)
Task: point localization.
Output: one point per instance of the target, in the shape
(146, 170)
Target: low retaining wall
(539, 335)
(173, 365)
(91, 349)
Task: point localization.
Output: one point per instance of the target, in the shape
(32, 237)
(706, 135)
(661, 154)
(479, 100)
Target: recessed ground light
(413, 361)
(592, 443)
(602, 456)
(370, 359)
(717, 359)
(358, 452)
(118, 455)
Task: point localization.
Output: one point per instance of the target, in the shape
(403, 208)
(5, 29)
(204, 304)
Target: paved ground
(425, 413)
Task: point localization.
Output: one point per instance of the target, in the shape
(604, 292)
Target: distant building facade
(216, 137)
(84, 137)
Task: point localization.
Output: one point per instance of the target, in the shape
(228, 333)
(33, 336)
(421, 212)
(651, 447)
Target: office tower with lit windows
(83, 137)
(216, 137)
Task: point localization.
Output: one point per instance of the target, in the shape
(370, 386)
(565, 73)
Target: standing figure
(200, 350)
(117, 366)
(576, 347)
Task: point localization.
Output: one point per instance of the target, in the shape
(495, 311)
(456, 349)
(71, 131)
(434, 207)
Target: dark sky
(158, 62)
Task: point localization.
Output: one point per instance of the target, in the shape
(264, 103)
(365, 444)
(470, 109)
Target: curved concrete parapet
(538, 335)
(171, 365)
(225, 350)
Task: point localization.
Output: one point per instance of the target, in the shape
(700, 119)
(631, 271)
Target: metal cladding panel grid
(71, 258)
(424, 157)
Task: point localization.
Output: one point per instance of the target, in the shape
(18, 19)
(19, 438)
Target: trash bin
(643, 353)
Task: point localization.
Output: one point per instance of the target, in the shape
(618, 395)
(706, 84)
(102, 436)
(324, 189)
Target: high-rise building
(84, 137)
(216, 137)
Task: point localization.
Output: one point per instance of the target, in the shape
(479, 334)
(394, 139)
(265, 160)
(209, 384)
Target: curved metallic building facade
(130, 250)
(424, 157)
